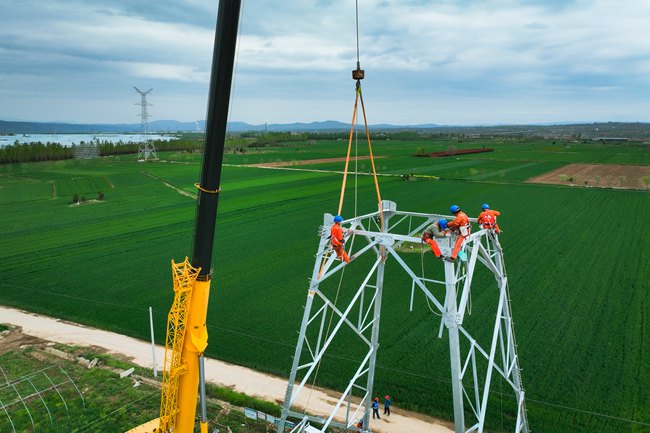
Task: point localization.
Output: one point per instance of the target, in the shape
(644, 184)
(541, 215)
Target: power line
(103, 418)
(78, 298)
(588, 412)
(333, 356)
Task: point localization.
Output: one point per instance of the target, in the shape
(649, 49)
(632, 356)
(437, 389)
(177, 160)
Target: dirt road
(241, 379)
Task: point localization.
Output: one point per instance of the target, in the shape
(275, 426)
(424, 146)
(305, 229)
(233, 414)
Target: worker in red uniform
(438, 229)
(337, 240)
(459, 225)
(488, 218)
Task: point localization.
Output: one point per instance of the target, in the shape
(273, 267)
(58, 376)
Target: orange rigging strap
(359, 95)
(372, 158)
(347, 159)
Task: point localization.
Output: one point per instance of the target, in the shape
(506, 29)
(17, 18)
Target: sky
(451, 62)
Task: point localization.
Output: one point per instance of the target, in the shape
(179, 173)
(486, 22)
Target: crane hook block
(358, 74)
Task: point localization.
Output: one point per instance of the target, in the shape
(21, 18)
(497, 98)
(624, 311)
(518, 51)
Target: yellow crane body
(196, 340)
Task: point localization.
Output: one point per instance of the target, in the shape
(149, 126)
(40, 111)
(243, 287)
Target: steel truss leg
(374, 341)
(450, 318)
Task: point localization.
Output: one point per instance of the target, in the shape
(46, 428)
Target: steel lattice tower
(146, 149)
(379, 236)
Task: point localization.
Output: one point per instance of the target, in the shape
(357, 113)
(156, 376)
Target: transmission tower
(351, 317)
(146, 149)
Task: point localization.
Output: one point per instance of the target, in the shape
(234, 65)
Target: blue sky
(438, 61)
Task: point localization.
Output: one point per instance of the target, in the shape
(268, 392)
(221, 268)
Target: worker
(439, 229)
(387, 403)
(461, 226)
(375, 408)
(488, 218)
(337, 240)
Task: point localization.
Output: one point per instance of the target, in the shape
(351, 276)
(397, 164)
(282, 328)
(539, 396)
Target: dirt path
(241, 379)
(169, 185)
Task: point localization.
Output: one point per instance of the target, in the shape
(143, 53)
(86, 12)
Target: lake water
(70, 139)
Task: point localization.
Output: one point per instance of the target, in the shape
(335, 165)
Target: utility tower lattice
(380, 235)
(146, 149)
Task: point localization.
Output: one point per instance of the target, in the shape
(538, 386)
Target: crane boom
(194, 338)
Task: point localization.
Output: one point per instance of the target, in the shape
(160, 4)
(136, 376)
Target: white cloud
(424, 60)
(159, 71)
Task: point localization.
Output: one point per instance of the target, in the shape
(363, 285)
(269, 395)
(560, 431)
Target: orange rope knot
(209, 191)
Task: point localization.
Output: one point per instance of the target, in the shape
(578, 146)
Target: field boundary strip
(174, 187)
(317, 170)
(310, 161)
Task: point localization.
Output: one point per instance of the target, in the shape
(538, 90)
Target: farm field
(599, 175)
(578, 269)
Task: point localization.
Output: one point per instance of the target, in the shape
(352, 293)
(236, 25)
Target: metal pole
(374, 339)
(454, 347)
(296, 361)
(153, 345)
(204, 418)
(313, 286)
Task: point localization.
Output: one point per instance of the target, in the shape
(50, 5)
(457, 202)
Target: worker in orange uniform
(488, 218)
(459, 225)
(337, 240)
(438, 229)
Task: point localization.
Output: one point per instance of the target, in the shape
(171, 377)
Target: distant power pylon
(146, 149)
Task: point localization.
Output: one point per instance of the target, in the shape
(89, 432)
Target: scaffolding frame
(382, 233)
(184, 276)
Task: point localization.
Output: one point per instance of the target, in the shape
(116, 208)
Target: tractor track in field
(172, 186)
(309, 161)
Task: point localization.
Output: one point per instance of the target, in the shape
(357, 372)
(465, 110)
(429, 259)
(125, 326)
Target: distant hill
(7, 127)
(640, 131)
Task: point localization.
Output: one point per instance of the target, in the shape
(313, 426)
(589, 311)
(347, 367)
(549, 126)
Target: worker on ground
(375, 408)
(488, 218)
(387, 403)
(459, 225)
(439, 229)
(337, 240)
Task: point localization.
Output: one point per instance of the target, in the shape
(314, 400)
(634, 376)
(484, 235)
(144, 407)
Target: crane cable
(358, 96)
(358, 75)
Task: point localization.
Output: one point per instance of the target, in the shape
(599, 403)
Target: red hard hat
(387, 397)
(376, 398)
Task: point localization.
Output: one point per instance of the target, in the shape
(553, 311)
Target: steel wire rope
(423, 280)
(329, 325)
(356, 194)
(501, 401)
(78, 298)
(236, 63)
(129, 404)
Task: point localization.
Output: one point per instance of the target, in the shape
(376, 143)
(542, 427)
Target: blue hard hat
(485, 206)
(442, 223)
(454, 208)
(338, 219)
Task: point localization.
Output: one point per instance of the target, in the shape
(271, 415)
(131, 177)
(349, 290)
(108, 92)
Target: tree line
(37, 151)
